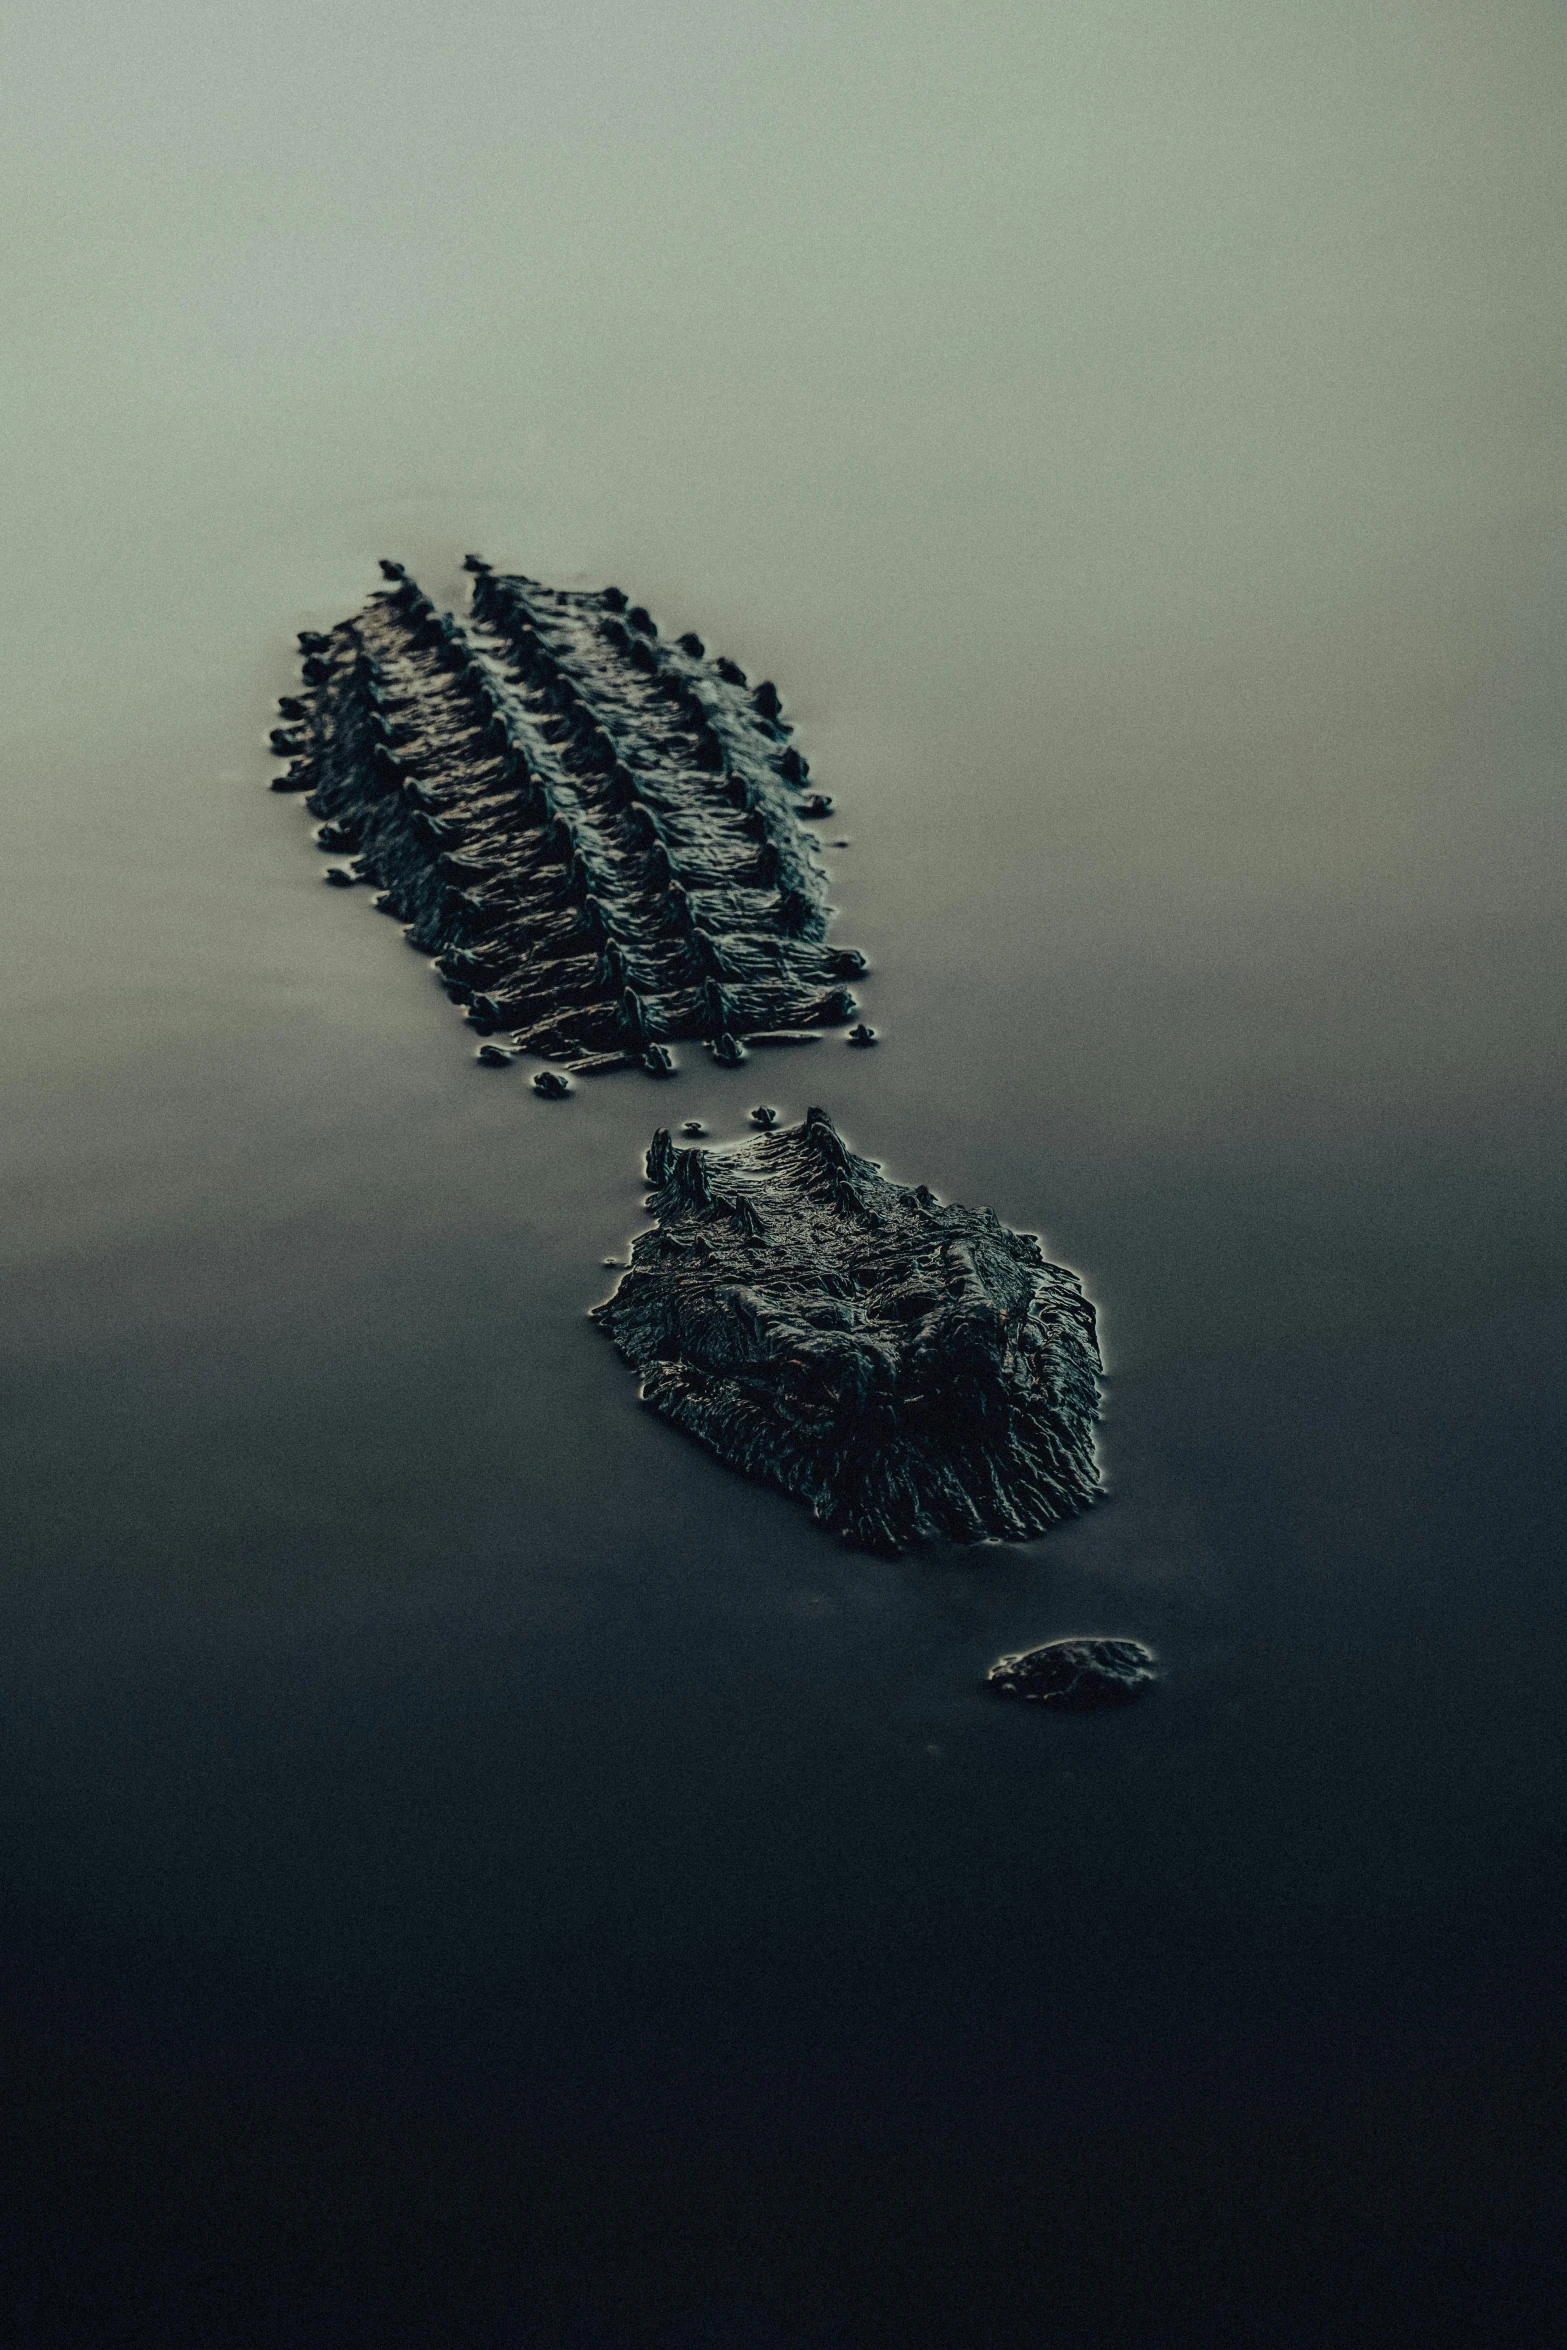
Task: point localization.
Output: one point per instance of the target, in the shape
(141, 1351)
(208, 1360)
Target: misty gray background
(1131, 434)
(1132, 437)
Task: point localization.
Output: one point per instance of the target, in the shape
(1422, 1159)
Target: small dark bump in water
(861, 1035)
(728, 1050)
(764, 1115)
(658, 1061)
(1074, 1676)
(550, 1085)
(819, 804)
(493, 1056)
(474, 563)
(693, 1126)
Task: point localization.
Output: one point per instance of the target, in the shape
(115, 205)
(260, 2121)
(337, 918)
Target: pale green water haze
(473, 1870)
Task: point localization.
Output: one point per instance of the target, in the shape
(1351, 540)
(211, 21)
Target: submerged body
(904, 1367)
(597, 835)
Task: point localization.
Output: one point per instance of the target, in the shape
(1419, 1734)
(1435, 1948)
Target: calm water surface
(474, 1871)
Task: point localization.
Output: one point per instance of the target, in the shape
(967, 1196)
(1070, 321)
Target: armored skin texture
(596, 834)
(905, 1368)
(1074, 1676)
(598, 838)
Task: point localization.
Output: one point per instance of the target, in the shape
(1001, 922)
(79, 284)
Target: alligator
(906, 1368)
(598, 835)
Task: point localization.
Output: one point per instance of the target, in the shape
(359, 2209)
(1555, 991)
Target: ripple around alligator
(904, 1367)
(597, 835)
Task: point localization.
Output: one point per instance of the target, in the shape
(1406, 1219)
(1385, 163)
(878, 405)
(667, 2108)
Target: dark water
(474, 1871)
